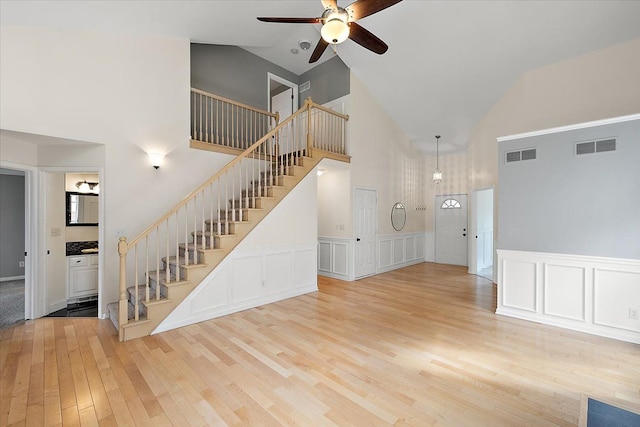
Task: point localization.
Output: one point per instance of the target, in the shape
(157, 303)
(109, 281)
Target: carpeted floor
(11, 302)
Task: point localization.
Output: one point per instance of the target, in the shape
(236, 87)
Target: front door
(451, 229)
(366, 228)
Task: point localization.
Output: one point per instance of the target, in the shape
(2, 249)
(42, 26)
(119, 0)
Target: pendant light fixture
(437, 175)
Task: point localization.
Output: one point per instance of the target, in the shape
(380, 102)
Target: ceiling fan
(338, 24)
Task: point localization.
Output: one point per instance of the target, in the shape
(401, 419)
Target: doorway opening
(71, 211)
(482, 230)
(282, 96)
(14, 246)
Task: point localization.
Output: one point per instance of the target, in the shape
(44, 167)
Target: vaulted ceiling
(448, 61)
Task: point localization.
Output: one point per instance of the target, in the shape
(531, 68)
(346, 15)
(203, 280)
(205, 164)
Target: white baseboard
(596, 295)
(8, 279)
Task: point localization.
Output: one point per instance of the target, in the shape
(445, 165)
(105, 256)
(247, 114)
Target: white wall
(384, 159)
(128, 93)
(594, 86)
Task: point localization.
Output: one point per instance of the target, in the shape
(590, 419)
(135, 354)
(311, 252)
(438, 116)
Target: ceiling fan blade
(292, 20)
(366, 39)
(318, 51)
(333, 4)
(361, 8)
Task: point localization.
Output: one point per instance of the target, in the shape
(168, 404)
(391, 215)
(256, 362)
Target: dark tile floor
(84, 309)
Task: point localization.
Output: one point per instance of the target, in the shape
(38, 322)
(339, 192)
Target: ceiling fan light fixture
(335, 31)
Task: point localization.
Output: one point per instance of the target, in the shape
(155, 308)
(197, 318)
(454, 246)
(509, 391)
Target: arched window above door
(450, 204)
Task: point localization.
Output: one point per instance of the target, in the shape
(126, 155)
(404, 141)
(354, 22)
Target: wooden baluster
(193, 115)
(186, 229)
(206, 121)
(146, 285)
(219, 193)
(204, 241)
(123, 301)
(195, 221)
(158, 263)
(200, 115)
(211, 224)
(168, 275)
(136, 304)
(217, 135)
(178, 244)
(309, 136)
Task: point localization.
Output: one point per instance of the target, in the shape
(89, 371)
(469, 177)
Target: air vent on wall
(516, 156)
(305, 86)
(592, 147)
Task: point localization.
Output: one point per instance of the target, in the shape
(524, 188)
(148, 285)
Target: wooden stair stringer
(194, 274)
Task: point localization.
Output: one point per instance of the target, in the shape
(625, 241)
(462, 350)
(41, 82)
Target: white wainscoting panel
(564, 291)
(596, 295)
(246, 279)
(400, 250)
(523, 296)
(427, 247)
(305, 277)
(615, 292)
(279, 273)
(324, 256)
(248, 271)
(335, 258)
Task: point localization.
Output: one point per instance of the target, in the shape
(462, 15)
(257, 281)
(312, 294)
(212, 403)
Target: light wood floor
(417, 346)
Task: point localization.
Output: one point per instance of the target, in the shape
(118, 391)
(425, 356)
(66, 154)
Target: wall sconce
(85, 187)
(156, 159)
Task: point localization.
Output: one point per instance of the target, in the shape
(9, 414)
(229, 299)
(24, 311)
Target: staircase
(161, 266)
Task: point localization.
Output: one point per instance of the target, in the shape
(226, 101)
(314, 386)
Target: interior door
(282, 103)
(451, 229)
(366, 229)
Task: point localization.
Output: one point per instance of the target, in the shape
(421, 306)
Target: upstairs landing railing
(227, 123)
(207, 212)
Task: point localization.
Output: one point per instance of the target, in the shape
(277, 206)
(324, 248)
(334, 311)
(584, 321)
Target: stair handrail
(236, 103)
(124, 246)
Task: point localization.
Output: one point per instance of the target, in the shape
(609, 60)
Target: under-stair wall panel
(276, 261)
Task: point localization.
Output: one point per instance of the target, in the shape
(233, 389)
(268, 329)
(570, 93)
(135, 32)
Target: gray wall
(234, 73)
(561, 203)
(11, 225)
(240, 75)
(329, 81)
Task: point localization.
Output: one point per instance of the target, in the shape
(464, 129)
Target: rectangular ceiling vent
(592, 147)
(305, 86)
(516, 156)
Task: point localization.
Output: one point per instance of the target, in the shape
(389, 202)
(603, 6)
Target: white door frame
(41, 289)
(375, 246)
(30, 235)
(473, 229)
(285, 82)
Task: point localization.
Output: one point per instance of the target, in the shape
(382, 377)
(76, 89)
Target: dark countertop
(75, 248)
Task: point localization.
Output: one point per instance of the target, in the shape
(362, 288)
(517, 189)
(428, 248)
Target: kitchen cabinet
(82, 276)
